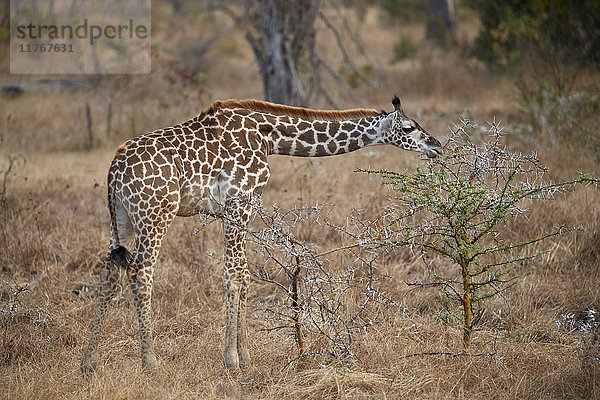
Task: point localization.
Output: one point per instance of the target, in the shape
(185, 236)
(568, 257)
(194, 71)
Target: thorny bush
(322, 303)
(457, 205)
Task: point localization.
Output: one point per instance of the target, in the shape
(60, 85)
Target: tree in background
(280, 34)
(282, 37)
(441, 22)
(556, 36)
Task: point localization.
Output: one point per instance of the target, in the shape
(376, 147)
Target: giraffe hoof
(88, 365)
(231, 359)
(244, 358)
(149, 362)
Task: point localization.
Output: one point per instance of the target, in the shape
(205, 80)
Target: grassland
(54, 231)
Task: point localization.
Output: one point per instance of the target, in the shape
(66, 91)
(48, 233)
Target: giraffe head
(407, 134)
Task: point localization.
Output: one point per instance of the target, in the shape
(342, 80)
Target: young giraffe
(214, 163)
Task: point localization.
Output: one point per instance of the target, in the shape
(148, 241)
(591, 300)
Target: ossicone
(397, 105)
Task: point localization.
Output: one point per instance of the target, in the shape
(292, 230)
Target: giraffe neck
(318, 138)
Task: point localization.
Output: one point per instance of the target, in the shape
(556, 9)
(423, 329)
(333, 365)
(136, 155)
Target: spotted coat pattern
(215, 163)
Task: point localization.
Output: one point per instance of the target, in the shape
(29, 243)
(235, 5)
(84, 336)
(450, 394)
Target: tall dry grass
(54, 230)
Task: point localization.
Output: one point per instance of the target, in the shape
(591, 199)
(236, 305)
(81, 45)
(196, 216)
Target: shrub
(457, 205)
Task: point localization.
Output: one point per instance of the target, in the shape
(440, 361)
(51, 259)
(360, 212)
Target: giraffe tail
(121, 257)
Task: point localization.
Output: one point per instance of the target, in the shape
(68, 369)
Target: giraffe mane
(300, 112)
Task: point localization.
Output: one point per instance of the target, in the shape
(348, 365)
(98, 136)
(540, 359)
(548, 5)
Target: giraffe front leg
(236, 280)
(231, 324)
(109, 278)
(141, 285)
(242, 333)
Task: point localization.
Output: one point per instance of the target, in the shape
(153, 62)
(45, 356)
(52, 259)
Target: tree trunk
(467, 310)
(280, 33)
(441, 22)
(296, 309)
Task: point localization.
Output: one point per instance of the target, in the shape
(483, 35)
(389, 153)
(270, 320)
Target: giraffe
(214, 163)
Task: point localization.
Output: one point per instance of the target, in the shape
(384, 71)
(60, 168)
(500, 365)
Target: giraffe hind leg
(141, 272)
(109, 278)
(140, 280)
(118, 257)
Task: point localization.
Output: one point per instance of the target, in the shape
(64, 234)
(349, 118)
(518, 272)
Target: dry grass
(54, 229)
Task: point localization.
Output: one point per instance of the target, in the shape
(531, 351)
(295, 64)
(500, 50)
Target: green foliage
(404, 48)
(200, 78)
(457, 206)
(551, 29)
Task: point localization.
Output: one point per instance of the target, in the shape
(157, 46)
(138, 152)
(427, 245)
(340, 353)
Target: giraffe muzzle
(432, 148)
